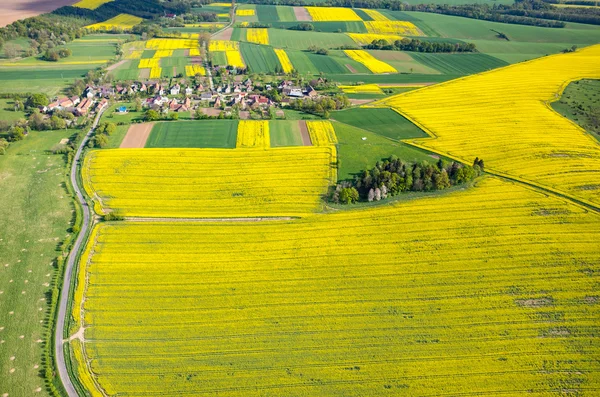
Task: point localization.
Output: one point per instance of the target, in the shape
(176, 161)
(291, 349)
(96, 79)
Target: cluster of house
(75, 105)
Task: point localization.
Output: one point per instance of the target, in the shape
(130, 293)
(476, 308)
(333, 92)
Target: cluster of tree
(153, 115)
(3, 146)
(322, 105)
(200, 17)
(58, 121)
(318, 50)
(302, 26)
(420, 46)
(393, 176)
(101, 134)
(54, 55)
(589, 15)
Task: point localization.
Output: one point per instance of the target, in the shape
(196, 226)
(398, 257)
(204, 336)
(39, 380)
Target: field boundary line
(184, 220)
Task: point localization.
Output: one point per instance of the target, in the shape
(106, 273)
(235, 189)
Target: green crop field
(127, 71)
(384, 122)
(580, 102)
(284, 133)
(327, 27)
(285, 14)
(7, 111)
(268, 13)
(34, 79)
(194, 134)
(302, 40)
(219, 58)
(356, 154)
(456, 64)
(259, 58)
(390, 78)
(34, 220)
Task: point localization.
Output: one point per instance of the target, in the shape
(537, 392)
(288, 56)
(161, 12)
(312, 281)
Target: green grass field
(385, 122)
(259, 58)
(268, 13)
(218, 58)
(50, 81)
(356, 154)
(7, 112)
(302, 40)
(456, 64)
(580, 103)
(284, 133)
(34, 219)
(194, 134)
(326, 27)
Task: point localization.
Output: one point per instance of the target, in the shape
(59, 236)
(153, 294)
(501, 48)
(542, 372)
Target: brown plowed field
(304, 132)
(13, 10)
(137, 135)
(302, 14)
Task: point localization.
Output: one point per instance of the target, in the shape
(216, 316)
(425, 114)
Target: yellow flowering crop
(149, 63)
(253, 134)
(193, 36)
(206, 25)
(210, 182)
(375, 15)
(155, 73)
(90, 4)
(171, 44)
(367, 38)
(502, 116)
(258, 36)
(163, 53)
(361, 89)
(244, 24)
(284, 60)
(194, 52)
(245, 13)
(192, 70)
(234, 58)
(223, 45)
(372, 63)
(223, 15)
(321, 133)
(332, 14)
(121, 21)
(393, 27)
(136, 54)
(220, 4)
(485, 291)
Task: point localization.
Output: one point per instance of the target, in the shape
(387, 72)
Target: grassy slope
(6, 112)
(580, 103)
(35, 79)
(34, 218)
(194, 134)
(284, 133)
(459, 63)
(356, 155)
(385, 122)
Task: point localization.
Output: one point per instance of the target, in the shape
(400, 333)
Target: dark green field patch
(238, 34)
(285, 133)
(363, 15)
(219, 58)
(384, 122)
(301, 62)
(286, 14)
(41, 74)
(326, 64)
(194, 134)
(327, 27)
(147, 54)
(580, 103)
(259, 58)
(461, 64)
(266, 13)
(300, 40)
(172, 66)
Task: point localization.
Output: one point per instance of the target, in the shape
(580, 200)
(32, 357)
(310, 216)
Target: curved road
(64, 294)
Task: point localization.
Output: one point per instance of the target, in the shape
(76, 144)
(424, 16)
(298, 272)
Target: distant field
(384, 122)
(194, 134)
(302, 40)
(454, 64)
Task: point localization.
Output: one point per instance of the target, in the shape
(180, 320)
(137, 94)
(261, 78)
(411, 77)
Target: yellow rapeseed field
(482, 292)
(253, 134)
(258, 36)
(245, 13)
(205, 25)
(155, 73)
(234, 58)
(171, 44)
(284, 60)
(393, 27)
(367, 38)
(220, 4)
(361, 89)
(372, 63)
(223, 45)
(136, 54)
(149, 63)
(121, 21)
(192, 70)
(502, 116)
(223, 15)
(375, 15)
(321, 133)
(332, 14)
(90, 4)
(163, 53)
(210, 182)
(195, 52)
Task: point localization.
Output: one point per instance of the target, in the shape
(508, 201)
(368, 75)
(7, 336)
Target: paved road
(64, 295)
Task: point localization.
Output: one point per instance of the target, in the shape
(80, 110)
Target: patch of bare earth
(537, 302)
(144, 74)
(186, 52)
(351, 69)
(137, 135)
(196, 60)
(13, 10)
(358, 102)
(223, 35)
(212, 112)
(302, 14)
(116, 65)
(304, 133)
(244, 115)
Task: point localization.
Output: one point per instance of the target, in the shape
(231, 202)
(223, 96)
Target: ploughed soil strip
(137, 135)
(144, 74)
(302, 14)
(304, 132)
(223, 35)
(360, 101)
(351, 69)
(116, 65)
(13, 10)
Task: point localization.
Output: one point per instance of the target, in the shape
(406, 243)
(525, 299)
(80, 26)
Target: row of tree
(394, 176)
(417, 45)
(321, 106)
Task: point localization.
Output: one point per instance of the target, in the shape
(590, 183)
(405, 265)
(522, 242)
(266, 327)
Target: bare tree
(377, 194)
(371, 195)
(12, 50)
(384, 192)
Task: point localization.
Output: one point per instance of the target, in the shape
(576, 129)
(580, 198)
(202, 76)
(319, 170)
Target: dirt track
(137, 135)
(223, 35)
(302, 14)
(304, 133)
(13, 10)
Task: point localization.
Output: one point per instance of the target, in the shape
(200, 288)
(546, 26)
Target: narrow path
(208, 71)
(59, 353)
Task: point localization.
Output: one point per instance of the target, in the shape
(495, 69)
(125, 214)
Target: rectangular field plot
(292, 39)
(473, 293)
(194, 134)
(285, 133)
(384, 122)
(259, 58)
(458, 63)
(210, 182)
